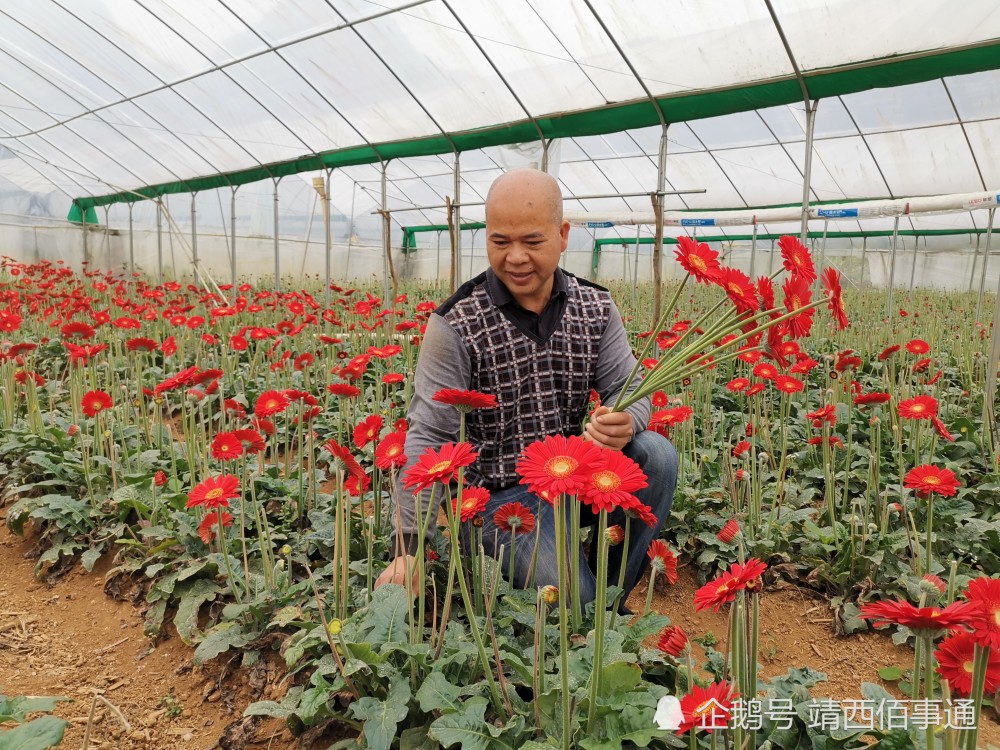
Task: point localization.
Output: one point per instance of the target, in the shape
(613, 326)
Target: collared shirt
(538, 326)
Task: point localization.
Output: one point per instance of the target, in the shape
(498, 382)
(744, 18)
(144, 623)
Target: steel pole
(386, 247)
(986, 261)
(329, 237)
(892, 266)
(807, 172)
(753, 248)
(159, 240)
(194, 235)
(277, 240)
(456, 207)
(232, 243)
(975, 257)
(913, 268)
(864, 261)
(661, 181)
(131, 241)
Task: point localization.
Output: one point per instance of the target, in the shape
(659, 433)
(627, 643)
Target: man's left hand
(609, 429)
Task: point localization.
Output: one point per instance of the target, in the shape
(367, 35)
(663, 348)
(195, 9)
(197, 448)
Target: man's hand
(396, 572)
(609, 429)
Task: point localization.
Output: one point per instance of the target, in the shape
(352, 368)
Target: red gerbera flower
(616, 477)
(663, 560)
(754, 389)
(788, 384)
(765, 371)
(871, 398)
(141, 344)
(699, 260)
(955, 656)
(826, 413)
(557, 465)
(798, 293)
(474, 501)
(439, 466)
(715, 593)
(511, 517)
(662, 421)
(923, 620)
(672, 641)
(344, 460)
(367, 430)
(740, 448)
(77, 330)
(226, 446)
(796, 258)
(95, 402)
(917, 346)
(928, 479)
(210, 524)
(729, 531)
(941, 430)
(985, 592)
(748, 574)
(737, 384)
(389, 452)
(344, 389)
(270, 403)
(888, 352)
(707, 708)
(465, 401)
(831, 283)
(214, 492)
(741, 291)
(252, 441)
(919, 407)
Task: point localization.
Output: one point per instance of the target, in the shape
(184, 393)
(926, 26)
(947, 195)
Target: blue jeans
(658, 460)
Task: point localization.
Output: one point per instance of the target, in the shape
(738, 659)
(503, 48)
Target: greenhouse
(691, 438)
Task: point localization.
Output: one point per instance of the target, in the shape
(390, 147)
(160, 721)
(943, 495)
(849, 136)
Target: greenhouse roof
(113, 100)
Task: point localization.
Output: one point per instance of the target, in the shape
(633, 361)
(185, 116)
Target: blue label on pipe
(838, 213)
(697, 222)
(599, 224)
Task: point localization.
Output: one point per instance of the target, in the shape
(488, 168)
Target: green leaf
(382, 717)
(619, 677)
(890, 674)
(277, 710)
(415, 738)
(221, 638)
(90, 558)
(39, 734)
(467, 727)
(437, 694)
(192, 596)
(16, 709)
(389, 607)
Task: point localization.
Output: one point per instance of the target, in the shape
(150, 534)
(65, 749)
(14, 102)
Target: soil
(70, 639)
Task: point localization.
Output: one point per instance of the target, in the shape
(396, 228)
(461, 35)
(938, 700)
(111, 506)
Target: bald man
(538, 339)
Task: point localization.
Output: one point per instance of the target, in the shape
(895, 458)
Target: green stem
(600, 613)
(563, 623)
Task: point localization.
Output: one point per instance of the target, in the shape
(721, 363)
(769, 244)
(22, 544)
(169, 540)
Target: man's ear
(564, 234)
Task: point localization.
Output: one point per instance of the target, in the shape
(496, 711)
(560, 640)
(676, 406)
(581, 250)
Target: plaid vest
(541, 389)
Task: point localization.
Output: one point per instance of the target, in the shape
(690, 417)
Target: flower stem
(600, 612)
(563, 624)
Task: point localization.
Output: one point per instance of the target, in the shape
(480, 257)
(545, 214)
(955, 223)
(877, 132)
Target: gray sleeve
(443, 363)
(614, 363)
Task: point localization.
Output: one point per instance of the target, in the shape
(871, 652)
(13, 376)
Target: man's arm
(443, 363)
(614, 363)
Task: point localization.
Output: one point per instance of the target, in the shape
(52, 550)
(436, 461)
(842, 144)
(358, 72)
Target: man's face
(524, 242)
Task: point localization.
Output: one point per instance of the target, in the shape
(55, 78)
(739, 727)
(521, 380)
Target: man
(538, 339)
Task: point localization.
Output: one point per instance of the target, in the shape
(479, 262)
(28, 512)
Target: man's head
(525, 234)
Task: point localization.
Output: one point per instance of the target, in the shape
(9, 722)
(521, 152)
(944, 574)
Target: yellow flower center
(440, 466)
(932, 480)
(794, 302)
(996, 617)
(967, 666)
(735, 288)
(214, 494)
(607, 481)
(917, 408)
(697, 262)
(560, 467)
(394, 450)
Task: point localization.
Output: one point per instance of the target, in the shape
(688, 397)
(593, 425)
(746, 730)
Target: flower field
(231, 452)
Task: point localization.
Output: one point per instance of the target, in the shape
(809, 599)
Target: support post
(975, 257)
(807, 172)
(456, 257)
(232, 241)
(159, 240)
(822, 256)
(194, 235)
(277, 240)
(986, 262)
(131, 241)
(329, 237)
(990, 389)
(661, 181)
(913, 268)
(892, 266)
(387, 268)
(753, 248)
(864, 262)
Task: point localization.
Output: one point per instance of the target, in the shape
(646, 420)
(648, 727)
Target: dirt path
(72, 640)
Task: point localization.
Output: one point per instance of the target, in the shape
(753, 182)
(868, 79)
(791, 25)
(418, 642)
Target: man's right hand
(396, 572)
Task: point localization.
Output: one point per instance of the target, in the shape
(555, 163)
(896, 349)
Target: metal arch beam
(965, 134)
(503, 79)
(222, 66)
(810, 119)
(27, 161)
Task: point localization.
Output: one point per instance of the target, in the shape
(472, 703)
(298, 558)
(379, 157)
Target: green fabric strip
(611, 118)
